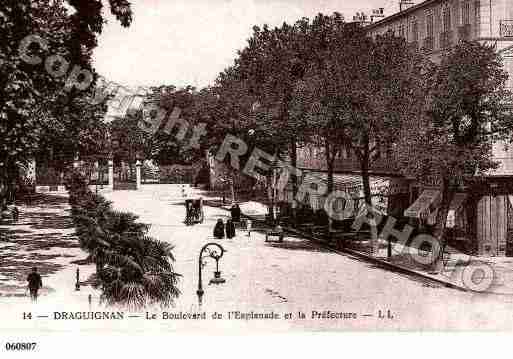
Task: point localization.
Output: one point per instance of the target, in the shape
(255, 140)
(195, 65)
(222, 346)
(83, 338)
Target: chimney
(405, 4)
(361, 17)
(377, 14)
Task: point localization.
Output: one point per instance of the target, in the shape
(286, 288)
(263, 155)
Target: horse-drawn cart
(194, 211)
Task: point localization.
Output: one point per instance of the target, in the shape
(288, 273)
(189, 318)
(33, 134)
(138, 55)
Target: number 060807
(20, 346)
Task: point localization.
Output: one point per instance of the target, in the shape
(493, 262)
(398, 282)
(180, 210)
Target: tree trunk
(331, 185)
(367, 195)
(232, 188)
(441, 220)
(270, 198)
(330, 159)
(293, 162)
(330, 190)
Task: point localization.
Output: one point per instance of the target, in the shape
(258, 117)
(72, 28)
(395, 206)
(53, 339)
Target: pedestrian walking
(34, 283)
(230, 229)
(219, 229)
(248, 227)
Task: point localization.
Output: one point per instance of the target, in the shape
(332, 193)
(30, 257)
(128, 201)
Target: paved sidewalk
(458, 268)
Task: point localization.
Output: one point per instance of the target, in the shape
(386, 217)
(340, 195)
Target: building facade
(485, 216)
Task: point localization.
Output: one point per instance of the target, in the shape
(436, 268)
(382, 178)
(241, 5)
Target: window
(446, 18)
(508, 66)
(465, 13)
(429, 24)
(402, 32)
(477, 17)
(415, 30)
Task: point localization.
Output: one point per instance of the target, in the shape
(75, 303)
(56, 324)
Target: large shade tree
(358, 93)
(269, 67)
(37, 99)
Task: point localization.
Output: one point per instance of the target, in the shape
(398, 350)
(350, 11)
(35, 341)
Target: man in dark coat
(219, 229)
(230, 229)
(235, 212)
(34, 283)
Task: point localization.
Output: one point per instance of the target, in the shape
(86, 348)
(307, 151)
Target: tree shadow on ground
(44, 241)
(39, 243)
(43, 211)
(6, 233)
(17, 266)
(45, 199)
(48, 220)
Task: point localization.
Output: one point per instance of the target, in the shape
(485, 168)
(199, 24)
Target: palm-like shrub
(132, 269)
(138, 272)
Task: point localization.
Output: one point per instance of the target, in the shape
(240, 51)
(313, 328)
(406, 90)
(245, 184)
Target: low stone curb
(384, 263)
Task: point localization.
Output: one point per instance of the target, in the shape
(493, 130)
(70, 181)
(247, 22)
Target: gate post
(138, 174)
(111, 175)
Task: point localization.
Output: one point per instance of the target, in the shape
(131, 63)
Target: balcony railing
(428, 44)
(446, 39)
(464, 32)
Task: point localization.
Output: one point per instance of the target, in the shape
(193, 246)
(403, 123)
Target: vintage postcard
(249, 166)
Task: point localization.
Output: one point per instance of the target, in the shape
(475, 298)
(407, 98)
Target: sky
(188, 42)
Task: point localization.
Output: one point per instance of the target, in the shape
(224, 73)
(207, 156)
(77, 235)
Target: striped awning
(351, 184)
(420, 208)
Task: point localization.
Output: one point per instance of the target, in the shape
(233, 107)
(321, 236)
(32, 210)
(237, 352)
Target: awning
(420, 207)
(457, 201)
(352, 184)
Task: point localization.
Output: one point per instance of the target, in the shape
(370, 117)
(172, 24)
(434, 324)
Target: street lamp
(212, 253)
(77, 283)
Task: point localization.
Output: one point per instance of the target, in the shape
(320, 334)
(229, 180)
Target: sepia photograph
(246, 167)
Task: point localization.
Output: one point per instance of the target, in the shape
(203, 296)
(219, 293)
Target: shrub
(132, 269)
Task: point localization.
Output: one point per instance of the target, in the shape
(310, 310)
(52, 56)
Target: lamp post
(212, 253)
(77, 284)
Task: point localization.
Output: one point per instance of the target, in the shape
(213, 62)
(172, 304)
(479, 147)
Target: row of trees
(326, 83)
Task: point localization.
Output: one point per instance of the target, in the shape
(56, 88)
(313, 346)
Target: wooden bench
(284, 219)
(272, 233)
(340, 238)
(307, 227)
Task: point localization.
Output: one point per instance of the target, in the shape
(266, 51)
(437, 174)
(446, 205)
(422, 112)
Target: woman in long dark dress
(219, 229)
(230, 229)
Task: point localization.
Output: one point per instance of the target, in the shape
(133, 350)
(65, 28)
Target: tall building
(434, 25)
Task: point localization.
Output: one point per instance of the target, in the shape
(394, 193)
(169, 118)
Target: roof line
(400, 14)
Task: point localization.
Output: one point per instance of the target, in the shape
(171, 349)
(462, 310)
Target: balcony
(464, 32)
(446, 39)
(428, 44)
